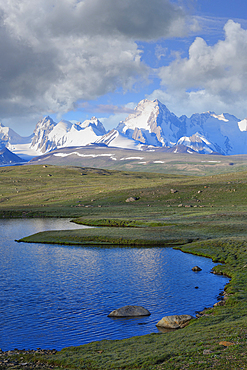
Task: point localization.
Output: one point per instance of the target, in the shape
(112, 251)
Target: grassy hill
(46, 190)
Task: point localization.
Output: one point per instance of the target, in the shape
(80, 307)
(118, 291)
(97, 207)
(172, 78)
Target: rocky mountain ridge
(49, 135)
(151, 126)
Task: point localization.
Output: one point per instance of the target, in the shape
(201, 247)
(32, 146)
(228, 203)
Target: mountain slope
(115, 139)
(9, 136)
(222, 132)
(153, 124)
(49, 135)
(7, 157)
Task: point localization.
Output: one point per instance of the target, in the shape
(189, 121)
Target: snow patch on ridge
(221, 117)
(131, 158)
(111, 156)
(243, 125)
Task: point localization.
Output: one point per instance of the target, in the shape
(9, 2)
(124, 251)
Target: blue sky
(74, 59)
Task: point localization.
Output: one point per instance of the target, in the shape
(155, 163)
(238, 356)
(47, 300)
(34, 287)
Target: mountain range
(150, 127)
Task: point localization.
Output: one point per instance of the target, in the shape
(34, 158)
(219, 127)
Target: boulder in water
(130, 311)
(196, 268)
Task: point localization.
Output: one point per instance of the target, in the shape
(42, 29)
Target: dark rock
(130, 311)
(196, 268)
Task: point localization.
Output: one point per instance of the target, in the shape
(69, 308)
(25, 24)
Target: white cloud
(56, 53)
(119, 114)
(160, 51)
(211, 78)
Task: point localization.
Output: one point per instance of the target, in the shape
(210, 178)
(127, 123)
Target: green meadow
(203, 215)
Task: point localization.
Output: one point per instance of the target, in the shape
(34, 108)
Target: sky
(74, 59)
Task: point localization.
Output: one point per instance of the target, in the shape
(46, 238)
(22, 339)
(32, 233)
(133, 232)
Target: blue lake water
(58, 296)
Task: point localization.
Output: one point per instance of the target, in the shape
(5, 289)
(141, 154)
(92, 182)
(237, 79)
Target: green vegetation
(50, 191)
(201, 215)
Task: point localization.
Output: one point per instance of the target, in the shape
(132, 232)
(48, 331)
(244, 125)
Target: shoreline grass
(205, 216)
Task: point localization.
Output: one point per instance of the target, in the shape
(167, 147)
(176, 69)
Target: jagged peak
(93, 123)
(44, 123)
(46, 119)
(145, 102)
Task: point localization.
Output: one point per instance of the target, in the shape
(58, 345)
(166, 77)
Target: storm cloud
(54, 54)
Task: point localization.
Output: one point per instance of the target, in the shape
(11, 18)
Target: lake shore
(200, 342)
(217, 338)
(207, 216)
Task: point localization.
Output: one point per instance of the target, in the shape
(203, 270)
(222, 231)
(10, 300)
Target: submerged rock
(130, 311)
(196, 268)
(174, 321)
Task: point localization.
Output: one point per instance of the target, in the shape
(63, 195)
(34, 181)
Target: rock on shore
(174, 321)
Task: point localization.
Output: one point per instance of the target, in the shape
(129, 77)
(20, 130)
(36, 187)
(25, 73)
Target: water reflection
(55, 296)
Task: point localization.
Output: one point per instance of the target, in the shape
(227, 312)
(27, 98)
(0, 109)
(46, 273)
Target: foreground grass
(205, 216)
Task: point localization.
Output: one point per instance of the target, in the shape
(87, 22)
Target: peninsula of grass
(200, 215)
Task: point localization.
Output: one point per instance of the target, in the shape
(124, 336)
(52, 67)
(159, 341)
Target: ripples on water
(54, 296)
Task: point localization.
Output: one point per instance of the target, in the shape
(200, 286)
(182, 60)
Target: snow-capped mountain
(9, 136)
(153, 124)
(9, 140)
(198, 143)
(115, 139)
(150, 126)
(41, 132)
(222, 132)
(7, 157)
(49, 135)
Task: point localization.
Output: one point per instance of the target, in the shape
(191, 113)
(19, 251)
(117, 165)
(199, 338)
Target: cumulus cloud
(211, 77)
(54, 54)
